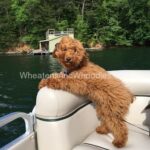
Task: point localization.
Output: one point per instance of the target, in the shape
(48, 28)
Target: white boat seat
(67, 122)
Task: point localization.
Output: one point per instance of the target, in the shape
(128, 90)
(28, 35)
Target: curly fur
(110, 95)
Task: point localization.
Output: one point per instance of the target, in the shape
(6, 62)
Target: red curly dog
(84, 78)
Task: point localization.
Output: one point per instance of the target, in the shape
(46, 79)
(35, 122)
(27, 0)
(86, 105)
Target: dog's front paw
(42, 83)
(53, 83)
(50, 83)
(102, 130)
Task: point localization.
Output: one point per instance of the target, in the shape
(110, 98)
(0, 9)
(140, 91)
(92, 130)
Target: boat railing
(28, 119)
(29, 124)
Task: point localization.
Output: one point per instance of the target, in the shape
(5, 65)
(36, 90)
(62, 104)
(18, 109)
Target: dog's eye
(75, 50)
(65, 49)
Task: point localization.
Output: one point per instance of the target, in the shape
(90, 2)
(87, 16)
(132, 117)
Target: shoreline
(88, 50)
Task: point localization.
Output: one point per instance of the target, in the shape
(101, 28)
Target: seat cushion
(138, 139)
(52, 103)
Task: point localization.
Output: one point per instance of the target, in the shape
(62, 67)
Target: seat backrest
(138, 81)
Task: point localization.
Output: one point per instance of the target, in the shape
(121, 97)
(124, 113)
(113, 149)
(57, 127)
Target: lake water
(18, 94)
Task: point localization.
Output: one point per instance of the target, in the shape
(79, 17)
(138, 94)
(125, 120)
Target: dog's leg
(102, 129)
(119, 131)
(74, 86)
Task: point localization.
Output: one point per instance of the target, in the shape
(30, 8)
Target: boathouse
(53, 37)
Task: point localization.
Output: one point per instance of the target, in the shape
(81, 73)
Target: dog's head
(70, 53)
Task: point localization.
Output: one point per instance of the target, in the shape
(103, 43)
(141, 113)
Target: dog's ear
(86, 54)
(81, 49)
(78, 45)
(55, 49)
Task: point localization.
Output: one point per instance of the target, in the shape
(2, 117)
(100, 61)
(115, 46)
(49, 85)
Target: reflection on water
(18, 94)
(15, 91)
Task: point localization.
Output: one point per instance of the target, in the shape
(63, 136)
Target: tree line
(110, 22)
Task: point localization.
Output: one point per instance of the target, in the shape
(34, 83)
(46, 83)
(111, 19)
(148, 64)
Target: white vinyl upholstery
(138, 81)
(66, 133)
(88, 147)
(56, 103)
(136, 141)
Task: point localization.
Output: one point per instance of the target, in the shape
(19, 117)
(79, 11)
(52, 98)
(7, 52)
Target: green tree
(112, 22)
(33, 18)
(139, 14)
(7, 25)
(108, 24)
(81, 29)
(62, 25)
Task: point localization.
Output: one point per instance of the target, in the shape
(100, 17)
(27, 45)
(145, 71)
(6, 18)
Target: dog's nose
(68, 59)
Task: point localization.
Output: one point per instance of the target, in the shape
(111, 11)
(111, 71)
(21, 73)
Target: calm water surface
(18, 94)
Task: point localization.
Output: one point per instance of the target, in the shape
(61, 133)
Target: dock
(39, 52)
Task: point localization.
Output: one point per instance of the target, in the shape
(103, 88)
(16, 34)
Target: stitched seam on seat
(92, 145)
(65, 116)
(136, 126)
